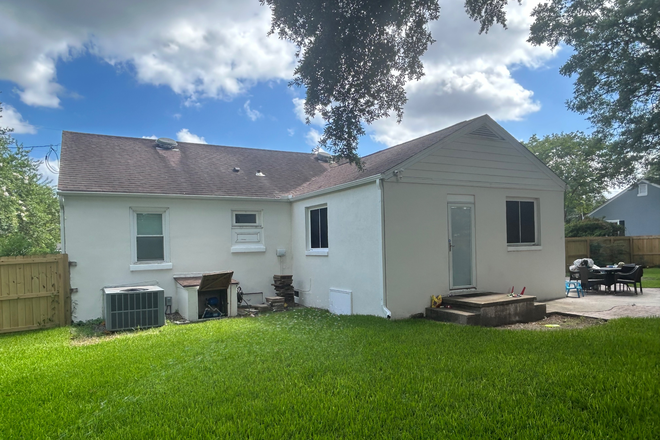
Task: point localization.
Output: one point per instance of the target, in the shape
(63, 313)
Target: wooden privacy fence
(34, 292)
(644, 250)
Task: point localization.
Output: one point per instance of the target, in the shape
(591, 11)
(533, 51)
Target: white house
(467, 207)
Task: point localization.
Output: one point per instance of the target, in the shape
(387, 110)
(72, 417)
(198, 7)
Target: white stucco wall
(354, 261)
(98, 239)
(417, 256)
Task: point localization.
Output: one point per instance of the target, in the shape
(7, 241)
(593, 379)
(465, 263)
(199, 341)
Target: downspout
(386, 311)
(62, 225)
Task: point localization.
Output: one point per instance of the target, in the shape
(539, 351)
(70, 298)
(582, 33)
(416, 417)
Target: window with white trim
(521, 223)
(642, 189)
(246, 219)
(150, 238)
(317, 230)
(247, 233)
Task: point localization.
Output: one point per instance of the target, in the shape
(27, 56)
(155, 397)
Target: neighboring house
(637, 208)
(467, 207)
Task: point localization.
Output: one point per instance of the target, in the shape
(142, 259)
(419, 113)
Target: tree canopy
(584, 163)
(355, 57)
(616, 62)
(29, 212)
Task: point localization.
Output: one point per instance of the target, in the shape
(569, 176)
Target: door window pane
(461, 240)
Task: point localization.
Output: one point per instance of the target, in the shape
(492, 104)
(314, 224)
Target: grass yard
(308, 374)
(651, 277)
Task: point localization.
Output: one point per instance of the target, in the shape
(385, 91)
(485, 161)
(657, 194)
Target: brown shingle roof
(377, 163)
(98, 163)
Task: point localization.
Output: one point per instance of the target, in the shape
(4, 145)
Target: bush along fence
(644, 250)
(34, 292)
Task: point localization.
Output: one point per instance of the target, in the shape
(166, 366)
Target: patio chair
(589, 280)
(634, 278)
(574, 285)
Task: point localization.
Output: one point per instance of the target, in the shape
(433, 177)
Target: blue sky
(225, 82)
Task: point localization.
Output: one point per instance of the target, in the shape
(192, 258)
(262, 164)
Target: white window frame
(247, 237)
(537, 230)
(319, 252)
(642, 190)
(257, 224)
(150, 265)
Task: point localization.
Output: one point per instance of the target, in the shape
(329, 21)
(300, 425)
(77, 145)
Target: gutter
(175, 196)
(62, 225)
(383, 303)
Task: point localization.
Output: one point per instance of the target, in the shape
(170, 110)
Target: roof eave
(172, 196)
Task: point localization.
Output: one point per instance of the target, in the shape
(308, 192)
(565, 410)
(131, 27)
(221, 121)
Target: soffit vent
(484, 131)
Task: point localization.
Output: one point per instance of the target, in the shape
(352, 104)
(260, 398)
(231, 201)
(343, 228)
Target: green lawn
(308, 374)
(651, 277)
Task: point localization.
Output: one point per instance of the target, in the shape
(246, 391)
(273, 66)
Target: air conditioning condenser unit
(134, 306)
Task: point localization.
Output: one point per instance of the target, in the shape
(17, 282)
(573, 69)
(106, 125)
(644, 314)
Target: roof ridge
(189, 143)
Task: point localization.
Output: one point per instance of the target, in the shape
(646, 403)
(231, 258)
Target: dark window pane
(527, 228)
(314, 228)
(324, 227)
(512, 221)
(149, 224)
(248, 219)
(150, 249)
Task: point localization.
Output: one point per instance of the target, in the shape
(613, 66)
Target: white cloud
(176, 116)
(252, 114)
(184, 135)
(200, 48)
(291, 131)
(11, 118)
(299, 110)
(153, 136)
(312, 137)
(468, 75)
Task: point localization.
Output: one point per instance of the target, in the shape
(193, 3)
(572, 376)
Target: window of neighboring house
(150, 247)
(317, 230)
(642, 189)
(521, 222)
(620, 223)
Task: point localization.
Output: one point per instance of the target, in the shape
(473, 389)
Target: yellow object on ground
(436, 301)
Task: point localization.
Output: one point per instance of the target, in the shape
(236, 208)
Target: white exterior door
(461, 245)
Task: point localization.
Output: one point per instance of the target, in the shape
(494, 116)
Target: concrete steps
(487, 309)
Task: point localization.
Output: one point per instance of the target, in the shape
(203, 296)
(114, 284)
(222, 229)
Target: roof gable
(652, 187)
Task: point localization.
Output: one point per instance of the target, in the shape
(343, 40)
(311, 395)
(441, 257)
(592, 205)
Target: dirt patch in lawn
(556, 321)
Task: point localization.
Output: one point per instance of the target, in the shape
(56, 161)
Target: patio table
(610, 276)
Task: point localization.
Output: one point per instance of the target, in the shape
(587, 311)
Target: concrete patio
(608, 306)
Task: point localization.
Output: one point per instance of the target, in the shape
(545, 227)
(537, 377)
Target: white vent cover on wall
(484, 131)
(341, 302)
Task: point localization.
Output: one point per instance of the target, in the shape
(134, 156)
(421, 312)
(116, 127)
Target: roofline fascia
(174, 196)
(340, 187)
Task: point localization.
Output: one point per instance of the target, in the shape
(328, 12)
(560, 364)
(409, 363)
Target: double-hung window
(149, 239)
(521, 224)
(317, 227)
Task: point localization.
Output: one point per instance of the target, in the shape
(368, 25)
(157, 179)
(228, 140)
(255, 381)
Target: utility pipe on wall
(379, 184)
